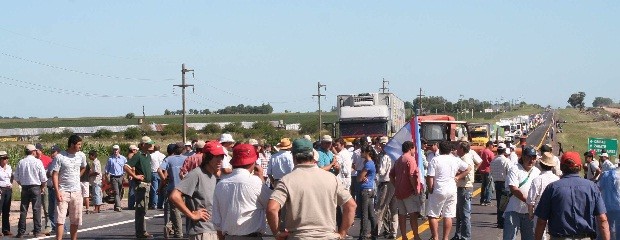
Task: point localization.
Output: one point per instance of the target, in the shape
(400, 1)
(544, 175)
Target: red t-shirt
(46, 160)
(487, 156)
(404, 168)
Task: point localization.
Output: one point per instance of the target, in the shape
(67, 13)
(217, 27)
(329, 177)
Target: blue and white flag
(394, 147)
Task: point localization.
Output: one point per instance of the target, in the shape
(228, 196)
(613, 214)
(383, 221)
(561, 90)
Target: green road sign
(598, 144)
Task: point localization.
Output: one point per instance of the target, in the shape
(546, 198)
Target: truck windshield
(434, 132)
(477, 134)
(358, 129)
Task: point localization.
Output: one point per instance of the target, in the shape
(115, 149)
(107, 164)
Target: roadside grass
(121, 121)
(578, 128)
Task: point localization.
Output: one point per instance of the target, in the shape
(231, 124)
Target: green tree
(103, 133)
(576, 100)
(132, 133)
(130, 115)
(602, 102)
(234, 127)
(309, 127)
(212, 128)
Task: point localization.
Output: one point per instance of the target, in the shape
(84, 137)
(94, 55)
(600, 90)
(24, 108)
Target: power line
(44, 88)
(79, 49)
(82, 72)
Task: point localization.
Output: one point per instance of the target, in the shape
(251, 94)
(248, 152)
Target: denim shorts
(96, 193)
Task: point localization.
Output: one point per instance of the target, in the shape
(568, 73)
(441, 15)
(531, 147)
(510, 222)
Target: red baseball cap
(574, 156)
(213, 147)
(243, 154)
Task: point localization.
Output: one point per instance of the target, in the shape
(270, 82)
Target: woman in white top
(6, 191)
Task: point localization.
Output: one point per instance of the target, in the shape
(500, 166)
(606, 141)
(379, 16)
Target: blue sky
(101, 58)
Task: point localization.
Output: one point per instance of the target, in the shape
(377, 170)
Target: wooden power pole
(183, 86)
(319, 95)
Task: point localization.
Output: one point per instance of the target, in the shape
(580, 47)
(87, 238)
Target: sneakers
(118, 209)
(7, 233)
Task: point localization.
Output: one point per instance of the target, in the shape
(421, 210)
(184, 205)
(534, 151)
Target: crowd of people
(304, 189)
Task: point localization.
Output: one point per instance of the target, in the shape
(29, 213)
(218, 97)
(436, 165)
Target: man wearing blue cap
(518, 182)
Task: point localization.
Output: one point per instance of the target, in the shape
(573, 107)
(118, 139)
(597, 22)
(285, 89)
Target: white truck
(369, 114)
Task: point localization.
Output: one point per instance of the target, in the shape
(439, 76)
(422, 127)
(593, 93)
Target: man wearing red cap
(571, 205)
(199, 186)
(241, 199)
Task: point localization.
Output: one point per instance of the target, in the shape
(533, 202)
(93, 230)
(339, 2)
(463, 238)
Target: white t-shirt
(156, 158)
(444, 168)
(592, 167)
(345, 159)
(516, 175)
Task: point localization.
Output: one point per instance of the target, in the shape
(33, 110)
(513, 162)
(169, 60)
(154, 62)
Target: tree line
(438, 104)
(239, 109)
(576, 100)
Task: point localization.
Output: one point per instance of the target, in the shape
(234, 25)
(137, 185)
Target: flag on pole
(409, 132)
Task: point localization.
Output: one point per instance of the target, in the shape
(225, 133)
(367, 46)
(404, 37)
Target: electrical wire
(44, 88)
(82, 72)
(82, 50)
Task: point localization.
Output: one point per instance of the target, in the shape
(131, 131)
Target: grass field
(121, 121)
(576, 132)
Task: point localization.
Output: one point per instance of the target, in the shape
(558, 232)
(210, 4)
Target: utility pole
(384, 88)
(420, 102)
(319, 95)
(183, 86)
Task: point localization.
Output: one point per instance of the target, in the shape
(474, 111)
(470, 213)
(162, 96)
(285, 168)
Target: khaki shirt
(310, 196)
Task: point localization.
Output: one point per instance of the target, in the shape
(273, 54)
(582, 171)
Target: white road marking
(102, 226)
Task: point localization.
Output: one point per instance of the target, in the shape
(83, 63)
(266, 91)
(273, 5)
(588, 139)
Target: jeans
(499, 192)
(368, 213)
(131, 199)
(141, 191)
(485, 196)
(386, 214)
(51, 207)
(463, 214)
(173, 214)
(153, 197)
(117, 185)
(45, 207)
(5, 199)
(614, 224)
(30, 194)
(356, 193)
(513, 222)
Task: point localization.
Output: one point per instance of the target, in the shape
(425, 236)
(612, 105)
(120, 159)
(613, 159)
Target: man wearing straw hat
(547, 164)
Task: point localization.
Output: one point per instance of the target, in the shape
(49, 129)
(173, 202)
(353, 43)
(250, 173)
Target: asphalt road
(120, 225)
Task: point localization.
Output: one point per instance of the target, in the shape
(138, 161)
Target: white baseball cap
(226, 137)
(116, 147)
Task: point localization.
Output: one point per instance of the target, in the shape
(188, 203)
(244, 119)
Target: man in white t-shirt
(345, 160)
(593, 171)
(444, 171)
(518, 181)
(464, 191)
(606, 164)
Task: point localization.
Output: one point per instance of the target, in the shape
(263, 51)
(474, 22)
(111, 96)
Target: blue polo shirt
(371, 171)
(570, 206)
(172, 165)
(325, 158)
